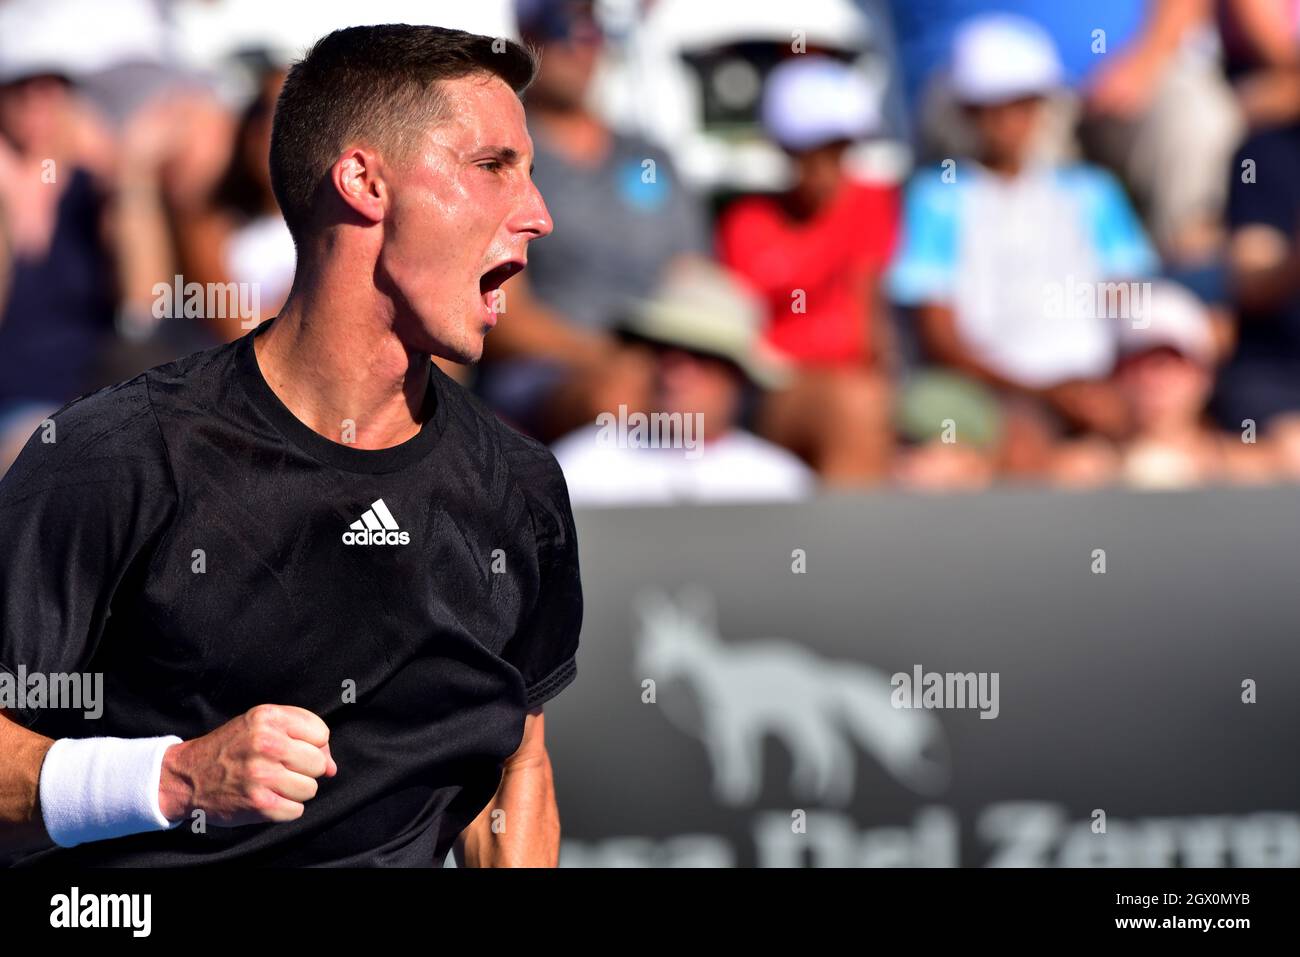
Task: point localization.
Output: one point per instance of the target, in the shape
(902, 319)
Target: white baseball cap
(1174, 318)
(1001, 57)
(811, 100)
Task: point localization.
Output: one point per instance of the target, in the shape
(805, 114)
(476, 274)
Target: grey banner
(1091, 679)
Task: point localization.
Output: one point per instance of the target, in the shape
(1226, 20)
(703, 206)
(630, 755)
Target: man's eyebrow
(506, 154)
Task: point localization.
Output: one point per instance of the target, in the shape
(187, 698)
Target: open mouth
(494, 277)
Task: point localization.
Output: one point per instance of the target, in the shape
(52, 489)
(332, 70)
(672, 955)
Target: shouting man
(327, 591)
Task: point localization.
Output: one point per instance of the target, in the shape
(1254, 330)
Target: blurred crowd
(928, 244)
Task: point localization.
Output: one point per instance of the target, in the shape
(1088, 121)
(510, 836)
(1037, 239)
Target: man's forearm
(21, 826)
(520, 827)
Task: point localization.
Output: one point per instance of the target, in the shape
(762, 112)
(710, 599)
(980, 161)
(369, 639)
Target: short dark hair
(378, 85)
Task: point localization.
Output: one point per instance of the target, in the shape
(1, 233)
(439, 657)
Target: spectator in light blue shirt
(1020, 273)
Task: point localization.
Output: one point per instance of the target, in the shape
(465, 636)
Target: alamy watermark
(74, 909)
(212, 300)
(655, 430)
(948, 689)
(57, 689)
(1072, 299)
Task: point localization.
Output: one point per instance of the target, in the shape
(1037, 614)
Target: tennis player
(328, 593)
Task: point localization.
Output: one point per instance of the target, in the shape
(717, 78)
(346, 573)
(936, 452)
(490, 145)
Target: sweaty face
(462, 211)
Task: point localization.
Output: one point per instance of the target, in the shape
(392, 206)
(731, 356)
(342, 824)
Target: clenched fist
(258, 767)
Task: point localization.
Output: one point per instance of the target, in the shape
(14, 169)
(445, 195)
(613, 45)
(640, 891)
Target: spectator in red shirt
(815, 254)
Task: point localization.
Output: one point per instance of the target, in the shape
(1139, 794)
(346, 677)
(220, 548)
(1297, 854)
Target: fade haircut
(377, 85)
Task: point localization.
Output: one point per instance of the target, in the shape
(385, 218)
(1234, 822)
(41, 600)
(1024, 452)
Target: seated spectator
(1141, 94)
(1015, 268)
(98, 130)
(816, 254)
(1261, 382)
(1166, 374)
(553, 363)
(234, 232)
(702, 332)
(56, 271)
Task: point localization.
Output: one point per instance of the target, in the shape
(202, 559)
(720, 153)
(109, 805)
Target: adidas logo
(376, 527)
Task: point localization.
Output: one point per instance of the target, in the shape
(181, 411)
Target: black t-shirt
(1271, 198)
(187, 536)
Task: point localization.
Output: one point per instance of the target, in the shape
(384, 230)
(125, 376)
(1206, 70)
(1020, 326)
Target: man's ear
(356, 178)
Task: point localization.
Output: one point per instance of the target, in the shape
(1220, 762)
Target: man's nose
(534, 217)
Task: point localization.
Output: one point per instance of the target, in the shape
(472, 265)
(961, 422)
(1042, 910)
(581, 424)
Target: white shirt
(1041, 269)
(739, 467)
(262, 252)
(1020, 237)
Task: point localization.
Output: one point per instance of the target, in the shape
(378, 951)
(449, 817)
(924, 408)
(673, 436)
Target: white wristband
(93, 789)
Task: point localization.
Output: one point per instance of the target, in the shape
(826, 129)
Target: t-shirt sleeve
(925, 267)
(545, 649)
(77, 509)
(1123, 249)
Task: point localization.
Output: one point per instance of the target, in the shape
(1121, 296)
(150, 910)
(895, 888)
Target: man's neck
(1006, 167)
(339, 367)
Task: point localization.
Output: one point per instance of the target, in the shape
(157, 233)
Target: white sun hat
(1000, 57)
(701, 307)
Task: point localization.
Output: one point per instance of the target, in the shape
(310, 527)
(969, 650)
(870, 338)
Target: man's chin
(466, 353)
(460, 342)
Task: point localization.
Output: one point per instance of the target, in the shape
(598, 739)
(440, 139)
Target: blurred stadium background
(1040, 257)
